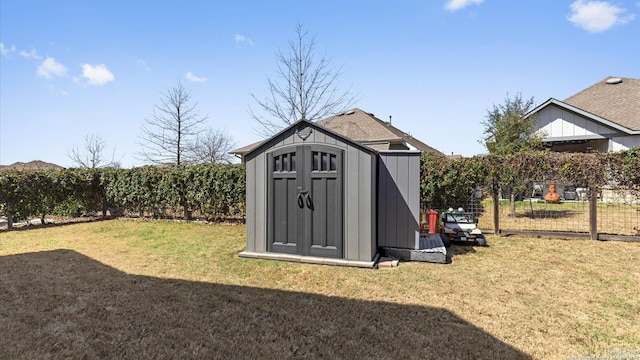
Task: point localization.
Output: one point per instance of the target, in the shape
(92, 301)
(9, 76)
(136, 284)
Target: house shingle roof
(363, 128)
(367, 129)
(32, 165)
(617, 102)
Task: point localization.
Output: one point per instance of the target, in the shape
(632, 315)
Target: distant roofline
(32, 165)
(402, 136)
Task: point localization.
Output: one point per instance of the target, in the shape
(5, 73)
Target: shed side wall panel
(388, 214)
(414, 200)
(399, 200)
(360, 208)
(363, 212)
(351, 195)
(261, 203)
(373, 194)
(382, 204)
(250, 167)
(402, 195)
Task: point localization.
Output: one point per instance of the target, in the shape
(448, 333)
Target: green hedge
(218, 191)
(446, 180)
(213, 191)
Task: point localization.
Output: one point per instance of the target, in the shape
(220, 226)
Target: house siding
(624, 143)
(555, 122)
(558, 124)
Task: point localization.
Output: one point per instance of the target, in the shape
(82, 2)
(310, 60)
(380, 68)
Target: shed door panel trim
(305, 196)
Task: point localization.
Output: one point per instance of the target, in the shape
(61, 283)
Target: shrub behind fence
(608, 201)
(213, 192)
(611, 182)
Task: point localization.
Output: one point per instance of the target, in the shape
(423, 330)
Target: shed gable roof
(260, 146)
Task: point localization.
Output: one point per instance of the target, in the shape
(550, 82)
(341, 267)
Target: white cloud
(4, 51)
(97, 74)
(597, 16)
(242, 39)
(33, 54)
(194, 78)
(455, 5)
(50, 68)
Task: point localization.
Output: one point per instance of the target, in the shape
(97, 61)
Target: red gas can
(433, 221)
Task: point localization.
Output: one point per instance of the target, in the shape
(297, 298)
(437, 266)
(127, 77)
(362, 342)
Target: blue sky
(69, 69)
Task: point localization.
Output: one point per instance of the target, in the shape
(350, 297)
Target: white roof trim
(574, 138)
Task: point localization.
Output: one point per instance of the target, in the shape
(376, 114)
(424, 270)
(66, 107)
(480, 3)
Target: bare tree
(305, 88)
(168, 136)
(213, 146)
(92, 155)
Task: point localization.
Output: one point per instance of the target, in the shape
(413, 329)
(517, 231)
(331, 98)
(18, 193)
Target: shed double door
(305, 197)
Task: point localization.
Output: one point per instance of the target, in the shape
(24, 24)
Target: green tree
(509, 129)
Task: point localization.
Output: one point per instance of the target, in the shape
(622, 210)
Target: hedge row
(25, 194)
(211, 191)
(446, 180)
(218, 191)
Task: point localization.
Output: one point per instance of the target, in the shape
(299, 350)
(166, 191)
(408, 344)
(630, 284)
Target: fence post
(496, 207)
(593, 213)
(9, 215)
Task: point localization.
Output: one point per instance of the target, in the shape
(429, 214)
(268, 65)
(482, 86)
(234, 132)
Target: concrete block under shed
(431, 249)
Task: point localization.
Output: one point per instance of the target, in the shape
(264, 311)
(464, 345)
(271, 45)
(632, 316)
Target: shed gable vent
(304, 133)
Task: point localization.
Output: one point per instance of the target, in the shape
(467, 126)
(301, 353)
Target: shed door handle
(302, 196)
(309, 201)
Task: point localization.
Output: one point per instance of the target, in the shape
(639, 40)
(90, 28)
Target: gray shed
(316, 196)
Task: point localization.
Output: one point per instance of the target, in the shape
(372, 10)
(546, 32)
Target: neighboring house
(32, 165)
(365, 129)
(604, 117)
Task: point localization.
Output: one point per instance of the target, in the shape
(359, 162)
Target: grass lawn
(144, 289)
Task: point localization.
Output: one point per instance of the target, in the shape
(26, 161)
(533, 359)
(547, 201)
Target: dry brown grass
(124, 289)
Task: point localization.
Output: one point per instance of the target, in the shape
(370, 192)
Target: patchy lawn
(144, 289)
